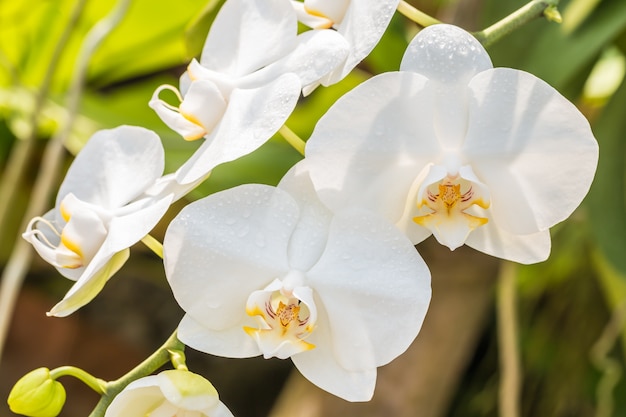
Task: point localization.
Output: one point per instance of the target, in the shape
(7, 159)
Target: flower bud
(36, 394)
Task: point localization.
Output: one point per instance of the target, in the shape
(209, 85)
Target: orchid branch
(525, 14)
(510, 385)
(159, 358)
(416, 15)
(154, 245)
(292, 138)
(96, 384)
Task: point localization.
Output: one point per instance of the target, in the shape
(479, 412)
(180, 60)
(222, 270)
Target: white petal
(317, 53)
(249, 34)
(494, 241)
(167, 185)
(220, 411)
(335, 10)
(115, 166)
(124, 231)
(321, 367)
(89, 285)
(220, 249)
(314, 22)
(362, 26)
(449, 57)
(531, 147)
(232, 342)
(252, 117)
(137, 399)
(187, 390)
(372, 143)
(374, 287)
(445, 54)
(309, 238)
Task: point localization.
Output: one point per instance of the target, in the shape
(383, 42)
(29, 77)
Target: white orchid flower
(270, 271)
(249, 78)
(489, 157)
(100, 211)
(361, 22)
(170, 393)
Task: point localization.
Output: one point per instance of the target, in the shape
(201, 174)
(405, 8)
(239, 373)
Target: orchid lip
(444, 205)
(285, 315)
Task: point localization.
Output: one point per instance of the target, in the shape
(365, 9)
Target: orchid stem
(525, 14)
(159, 358)
(510, 380)
(154, 245)
(416, 15)
(96, 384)
(609, 367)
(292, 138)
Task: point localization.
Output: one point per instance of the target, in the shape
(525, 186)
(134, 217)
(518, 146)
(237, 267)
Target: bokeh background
(571, 309)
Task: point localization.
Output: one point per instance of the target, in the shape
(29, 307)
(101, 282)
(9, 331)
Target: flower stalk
(159, 358)
(416, 15)
(154, 245)
(520, 17)
(293, 139)
(510, 380)
(96, 384)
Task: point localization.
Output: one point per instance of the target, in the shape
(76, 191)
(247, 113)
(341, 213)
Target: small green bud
(36, 394)
(552, 14)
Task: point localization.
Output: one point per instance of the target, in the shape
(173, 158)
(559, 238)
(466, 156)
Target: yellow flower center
(284, 322)
(447, 201)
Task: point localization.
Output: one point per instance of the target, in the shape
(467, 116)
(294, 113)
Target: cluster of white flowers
(322, 268)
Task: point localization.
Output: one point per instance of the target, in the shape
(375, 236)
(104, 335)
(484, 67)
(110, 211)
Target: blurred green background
(565, 303)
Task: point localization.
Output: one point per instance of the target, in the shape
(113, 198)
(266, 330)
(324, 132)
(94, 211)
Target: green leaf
(607, 207)
(613, 285)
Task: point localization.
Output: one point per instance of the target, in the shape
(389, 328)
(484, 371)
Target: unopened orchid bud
(36, 394)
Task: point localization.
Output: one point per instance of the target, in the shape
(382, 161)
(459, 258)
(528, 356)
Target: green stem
(292, 138)
(610, 368)
(527, 13)
(154, 245)
(416, 15)
(96, 384)
(510, 368)
(145, 368)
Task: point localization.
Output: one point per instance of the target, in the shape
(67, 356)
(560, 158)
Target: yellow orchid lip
(284, 322)
(448, 201)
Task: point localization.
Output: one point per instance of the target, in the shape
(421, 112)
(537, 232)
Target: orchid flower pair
(308, 270)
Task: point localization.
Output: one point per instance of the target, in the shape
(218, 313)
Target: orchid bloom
(489, 157)
(249, 78)
(269, 271)
(170, 393)
(100, 211)
(361, 22)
